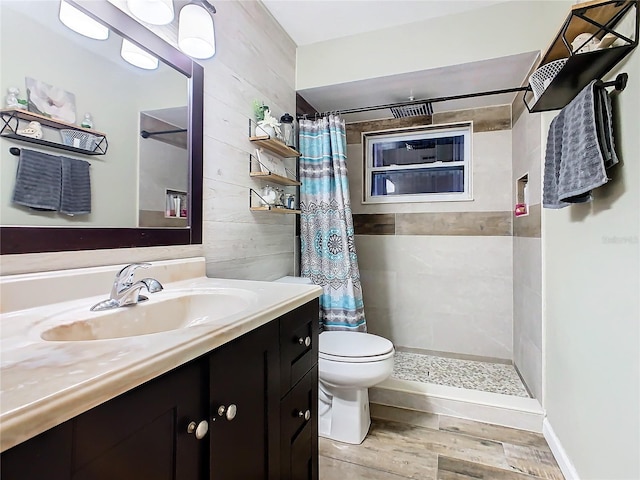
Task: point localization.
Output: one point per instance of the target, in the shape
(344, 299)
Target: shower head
(415, 110)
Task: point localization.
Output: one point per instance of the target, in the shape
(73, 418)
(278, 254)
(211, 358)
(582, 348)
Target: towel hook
(14, 151)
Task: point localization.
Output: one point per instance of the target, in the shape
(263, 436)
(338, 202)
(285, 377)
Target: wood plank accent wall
(492, 224)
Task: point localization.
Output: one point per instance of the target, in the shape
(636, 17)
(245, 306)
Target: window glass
(430, 164)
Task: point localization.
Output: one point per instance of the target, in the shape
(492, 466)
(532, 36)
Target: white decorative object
(33, 130)
(585, 42)
(269, 164)
(87, 122)
(78, 139)
(12, 98)
(542, 77)
(270, 122)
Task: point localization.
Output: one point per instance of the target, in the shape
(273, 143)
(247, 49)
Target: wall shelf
(272, 177)
(269, 143)
(274, 145)
(11, 118)
(273, 209)
(598, 17)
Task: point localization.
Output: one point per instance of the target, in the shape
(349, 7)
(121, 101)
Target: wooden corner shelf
(272, 177)
(268, 208)
(595, 17)
(274, 145)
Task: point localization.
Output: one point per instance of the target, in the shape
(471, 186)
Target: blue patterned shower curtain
(327, 246)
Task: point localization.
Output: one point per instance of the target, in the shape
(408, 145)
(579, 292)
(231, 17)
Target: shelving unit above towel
(597, 18)
(11, 124)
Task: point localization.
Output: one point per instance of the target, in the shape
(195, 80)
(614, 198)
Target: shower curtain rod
(619, 84)
(427, 100)
(145, 134)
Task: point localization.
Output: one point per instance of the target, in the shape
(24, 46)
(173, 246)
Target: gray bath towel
(579, 147)
(38, 180)
(75, 197)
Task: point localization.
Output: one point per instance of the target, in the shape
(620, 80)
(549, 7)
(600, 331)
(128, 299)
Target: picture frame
(269, 164)
(50, 101)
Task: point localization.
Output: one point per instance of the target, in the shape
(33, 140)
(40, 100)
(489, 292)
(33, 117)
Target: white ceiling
(310, 21)
(494, 74)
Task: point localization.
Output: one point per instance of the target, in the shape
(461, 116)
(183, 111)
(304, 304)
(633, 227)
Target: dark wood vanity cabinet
(299, 393)
(244, 407)
(256, 395)
(137, 435)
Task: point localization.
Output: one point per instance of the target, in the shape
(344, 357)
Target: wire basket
(78, 139)
(541, 78)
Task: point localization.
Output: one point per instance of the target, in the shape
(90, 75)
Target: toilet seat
(354, 347)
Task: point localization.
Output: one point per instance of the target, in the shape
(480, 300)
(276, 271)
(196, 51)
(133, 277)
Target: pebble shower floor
(452, 372)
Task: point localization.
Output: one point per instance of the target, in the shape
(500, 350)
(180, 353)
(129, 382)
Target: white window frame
(369, 139)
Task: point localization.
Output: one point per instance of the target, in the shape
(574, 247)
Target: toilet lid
(353, 344)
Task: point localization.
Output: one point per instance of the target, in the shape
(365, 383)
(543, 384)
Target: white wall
(255, 59)
(591, 287)
(499, 30)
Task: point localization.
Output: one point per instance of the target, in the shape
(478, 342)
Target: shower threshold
(453, 397)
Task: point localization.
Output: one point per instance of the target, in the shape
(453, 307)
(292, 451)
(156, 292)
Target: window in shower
(425, 165)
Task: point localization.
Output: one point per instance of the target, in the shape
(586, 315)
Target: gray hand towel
(38, 180)
(75, 197)
(579, 144)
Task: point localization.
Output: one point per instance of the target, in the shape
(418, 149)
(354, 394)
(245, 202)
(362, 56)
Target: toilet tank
(299, 280)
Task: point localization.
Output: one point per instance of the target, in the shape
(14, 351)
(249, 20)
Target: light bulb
(155, 12)
(81, 23)
(137, 56)
(195, 32)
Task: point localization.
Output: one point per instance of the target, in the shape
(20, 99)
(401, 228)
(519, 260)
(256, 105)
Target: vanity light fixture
(137, 56)
(196, 36)
(155, 12)
(81, 23)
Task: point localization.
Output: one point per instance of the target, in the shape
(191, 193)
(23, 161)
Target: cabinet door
(244, 399)
(298, 344)
(142, 434)
(45, 457)
(299, 433)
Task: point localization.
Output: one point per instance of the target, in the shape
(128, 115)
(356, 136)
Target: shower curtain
(327, 246)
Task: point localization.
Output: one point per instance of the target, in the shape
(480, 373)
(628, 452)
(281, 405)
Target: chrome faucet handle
(124, 277)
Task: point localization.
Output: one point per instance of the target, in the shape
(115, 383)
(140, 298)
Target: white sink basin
(162, 312)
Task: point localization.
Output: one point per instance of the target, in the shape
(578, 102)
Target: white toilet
(348, 364)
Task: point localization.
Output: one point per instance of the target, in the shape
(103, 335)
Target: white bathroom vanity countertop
(44, 383)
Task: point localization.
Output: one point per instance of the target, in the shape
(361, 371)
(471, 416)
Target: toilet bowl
(348, 364)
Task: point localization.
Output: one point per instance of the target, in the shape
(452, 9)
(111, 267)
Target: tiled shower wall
(439, 276)
(527, 255)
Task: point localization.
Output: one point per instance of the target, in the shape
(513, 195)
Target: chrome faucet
(125, 291)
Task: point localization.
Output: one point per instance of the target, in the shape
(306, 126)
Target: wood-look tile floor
(405, 444)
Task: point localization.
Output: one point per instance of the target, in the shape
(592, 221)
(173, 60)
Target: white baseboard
(568, 470)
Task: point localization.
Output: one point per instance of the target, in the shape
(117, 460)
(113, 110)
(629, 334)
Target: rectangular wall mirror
(151, 120)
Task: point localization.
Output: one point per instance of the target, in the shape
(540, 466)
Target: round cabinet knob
(229, 412)
(199, 429)
(305, 341)
(306, 414)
